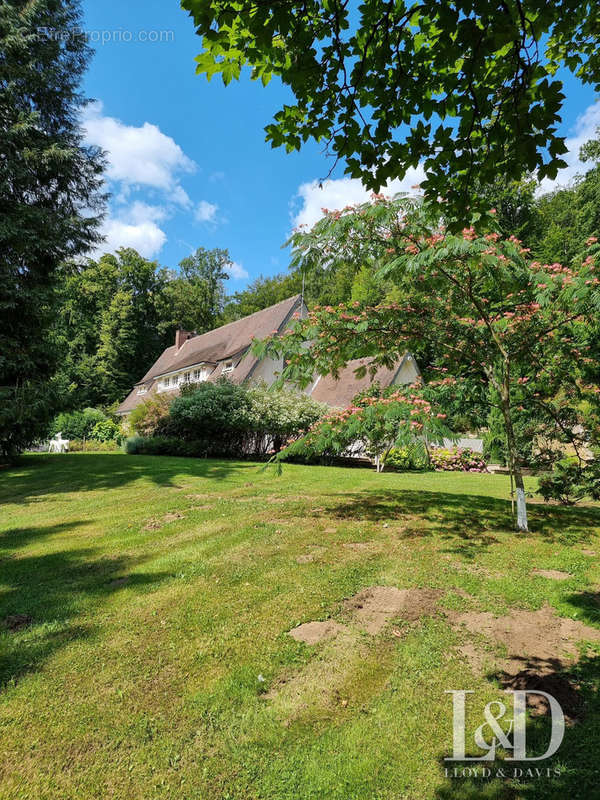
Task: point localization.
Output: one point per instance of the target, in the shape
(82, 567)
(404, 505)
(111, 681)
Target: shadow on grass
(45, 597)
(473, 519)
(572, 772)
(34, 477)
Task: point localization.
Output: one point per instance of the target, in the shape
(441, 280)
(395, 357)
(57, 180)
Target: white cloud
(206, 212)
(138, 156)
(145, 237)
(237, 271)
(583, 130)
(336, 194)
(143, 212)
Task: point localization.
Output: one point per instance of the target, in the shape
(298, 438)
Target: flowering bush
(223, 419)
(374, 424)
(456, 459)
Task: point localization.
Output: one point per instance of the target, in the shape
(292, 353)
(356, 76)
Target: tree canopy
(469, 89)
(50, 199)
(471, 306)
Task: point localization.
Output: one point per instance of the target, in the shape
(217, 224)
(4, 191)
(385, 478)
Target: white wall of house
(408, 372)
(266, 370)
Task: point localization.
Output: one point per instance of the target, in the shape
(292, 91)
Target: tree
(262, 293)
(472, 307)
(194, 297)
(50, 199)
(570, 215)
(469, 90)
(109, 325)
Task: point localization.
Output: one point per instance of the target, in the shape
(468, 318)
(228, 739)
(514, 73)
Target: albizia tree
(473, 309)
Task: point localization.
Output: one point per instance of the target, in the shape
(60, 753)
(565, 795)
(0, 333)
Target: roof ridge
(241, 319)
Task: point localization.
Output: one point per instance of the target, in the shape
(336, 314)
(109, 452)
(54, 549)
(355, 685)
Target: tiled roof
(229, 341)
(340, 391)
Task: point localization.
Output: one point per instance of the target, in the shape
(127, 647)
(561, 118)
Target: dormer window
(227, 366)
(142, 390)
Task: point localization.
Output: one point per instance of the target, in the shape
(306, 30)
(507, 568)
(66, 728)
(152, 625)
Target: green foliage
(193, 298)
(211, 410)
(282, 414)
(224, 419)
(93, 446)
(372, 425)
(570, 215)
(169, 446)
(477, 312)
(106, 431)
(473, 88)
(78, 424)
(571, 481)
(261, 293)
(412, 456)
(456, 459)
(117, 314)
(148, 418)
(50, 200)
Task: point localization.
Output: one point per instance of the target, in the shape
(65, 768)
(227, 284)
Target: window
(142, 390)
(200, 374)
(185, 378)
(166, 382)
(228, 366)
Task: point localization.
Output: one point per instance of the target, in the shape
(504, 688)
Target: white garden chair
(58, 444)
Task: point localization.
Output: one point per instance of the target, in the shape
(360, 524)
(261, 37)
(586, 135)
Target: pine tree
(50, 198)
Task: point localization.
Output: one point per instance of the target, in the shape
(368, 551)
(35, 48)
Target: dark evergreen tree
(50, 199)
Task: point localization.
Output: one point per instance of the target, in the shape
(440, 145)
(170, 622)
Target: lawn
(145, 610)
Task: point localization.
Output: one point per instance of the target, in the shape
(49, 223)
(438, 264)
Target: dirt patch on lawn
(540, 646)
(155, 524)
(114, 584)
(541, 635)
(552, 574)
(359, 546)
(587, 552)
(16, 622)
(374, 607)
(315, 632)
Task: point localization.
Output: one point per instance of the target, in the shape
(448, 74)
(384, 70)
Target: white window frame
(227, 367)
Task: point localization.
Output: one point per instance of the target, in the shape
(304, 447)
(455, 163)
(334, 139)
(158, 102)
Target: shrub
(76, 424)
(277, 416)
(570, 482)
(92, 446)
(106, 431)
(456, 459)
(223, 419)
(168, 446)
(151, 416)
(211, 411)
(410, 457)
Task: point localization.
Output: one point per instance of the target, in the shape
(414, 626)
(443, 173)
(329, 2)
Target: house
(226, 352)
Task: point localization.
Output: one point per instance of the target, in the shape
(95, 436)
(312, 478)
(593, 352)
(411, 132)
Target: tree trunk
(513, 461)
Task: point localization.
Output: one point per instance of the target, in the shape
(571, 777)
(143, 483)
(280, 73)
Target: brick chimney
(181, 337)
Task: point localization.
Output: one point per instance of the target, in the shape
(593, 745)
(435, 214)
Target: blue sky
(188, 161)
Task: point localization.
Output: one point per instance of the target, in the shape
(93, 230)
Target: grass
(160, 590)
